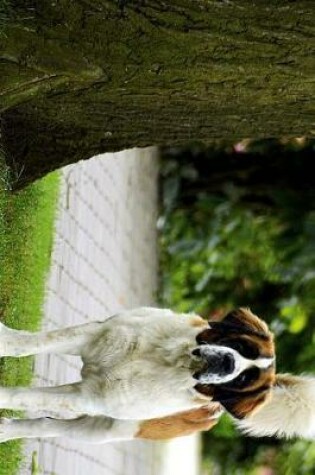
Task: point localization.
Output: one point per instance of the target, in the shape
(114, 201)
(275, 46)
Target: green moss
(6, 13)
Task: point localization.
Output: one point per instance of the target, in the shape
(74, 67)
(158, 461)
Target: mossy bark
(81, 77)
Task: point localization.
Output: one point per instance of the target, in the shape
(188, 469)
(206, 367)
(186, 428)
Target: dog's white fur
(136, 365)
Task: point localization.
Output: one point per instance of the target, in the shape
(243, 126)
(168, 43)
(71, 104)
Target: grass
(26, 231)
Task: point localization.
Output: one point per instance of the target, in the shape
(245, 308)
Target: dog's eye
(245, 349)
(245, 378)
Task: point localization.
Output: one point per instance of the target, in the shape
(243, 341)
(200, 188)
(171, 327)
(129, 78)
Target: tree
(81, 77)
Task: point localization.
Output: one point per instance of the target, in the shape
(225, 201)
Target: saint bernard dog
(149, 373)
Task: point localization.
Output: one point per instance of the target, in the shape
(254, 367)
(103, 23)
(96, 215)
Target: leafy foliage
(239, 229)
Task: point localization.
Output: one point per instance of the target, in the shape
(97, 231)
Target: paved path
(104, 259)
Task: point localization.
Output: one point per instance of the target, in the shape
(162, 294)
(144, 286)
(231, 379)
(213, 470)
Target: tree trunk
(82, 77)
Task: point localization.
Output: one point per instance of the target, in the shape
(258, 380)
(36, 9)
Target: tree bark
(84, 77)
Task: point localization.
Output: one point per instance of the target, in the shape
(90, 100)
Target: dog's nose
(196, 352)
(228, 363)
(221, 363)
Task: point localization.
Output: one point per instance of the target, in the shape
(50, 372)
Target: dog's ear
(289, 412)
(241, 404)
(241, 320)
(238, 404)
(238, 322)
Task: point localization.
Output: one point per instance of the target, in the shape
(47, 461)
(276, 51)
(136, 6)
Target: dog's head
(238, 362)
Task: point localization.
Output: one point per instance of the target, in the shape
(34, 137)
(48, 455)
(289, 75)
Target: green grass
(26, 232)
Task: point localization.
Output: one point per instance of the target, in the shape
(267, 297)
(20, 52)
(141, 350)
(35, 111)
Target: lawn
(26, 232)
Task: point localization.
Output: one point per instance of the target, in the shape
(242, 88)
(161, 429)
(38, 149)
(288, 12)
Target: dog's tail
(290, 411)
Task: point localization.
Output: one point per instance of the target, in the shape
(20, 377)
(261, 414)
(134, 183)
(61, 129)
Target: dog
(150, 373)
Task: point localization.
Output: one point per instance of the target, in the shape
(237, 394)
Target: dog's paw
(7, 336)
(5, 432)
(3, 328)
(3, 334)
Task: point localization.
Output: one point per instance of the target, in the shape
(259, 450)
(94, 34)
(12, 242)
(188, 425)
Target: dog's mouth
(197, 364)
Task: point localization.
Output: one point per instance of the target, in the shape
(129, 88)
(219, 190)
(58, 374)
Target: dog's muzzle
(220, 363)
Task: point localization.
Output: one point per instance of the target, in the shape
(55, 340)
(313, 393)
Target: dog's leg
(100, 429)
(67, 340)
(68, 397)
(94, 430)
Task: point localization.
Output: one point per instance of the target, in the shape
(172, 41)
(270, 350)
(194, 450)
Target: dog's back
(139, 364)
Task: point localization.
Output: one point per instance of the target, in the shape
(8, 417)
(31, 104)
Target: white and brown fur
(151, 373)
